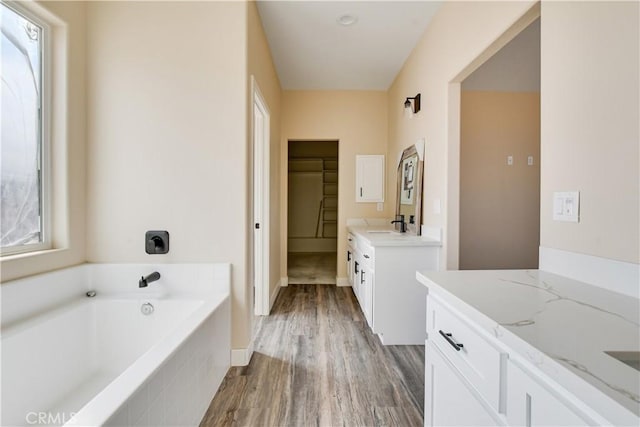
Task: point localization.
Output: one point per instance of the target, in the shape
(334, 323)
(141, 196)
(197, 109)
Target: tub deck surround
(100, 359)
(560, 326)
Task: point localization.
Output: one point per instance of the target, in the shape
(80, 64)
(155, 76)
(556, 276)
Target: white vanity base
(381, 265)
(528, 347)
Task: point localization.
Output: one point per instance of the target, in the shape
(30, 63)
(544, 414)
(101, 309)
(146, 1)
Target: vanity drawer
(352, 241)
(367, 254)
(480, 362)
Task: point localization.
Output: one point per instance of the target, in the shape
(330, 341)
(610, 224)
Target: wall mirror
(409, 188)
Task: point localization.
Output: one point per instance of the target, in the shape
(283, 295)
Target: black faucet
(144, 281)
(400, 220)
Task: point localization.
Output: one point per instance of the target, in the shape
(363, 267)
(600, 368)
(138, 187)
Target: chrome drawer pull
(447, 337)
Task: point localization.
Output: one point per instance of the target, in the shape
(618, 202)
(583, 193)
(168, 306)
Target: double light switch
(566, 206)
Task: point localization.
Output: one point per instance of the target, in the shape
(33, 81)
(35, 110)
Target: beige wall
(438, 58)
(358, 120)
(260, 65)
(168, 138)
(499, 204)
(67, 21)
(589, 114)
(590, 125)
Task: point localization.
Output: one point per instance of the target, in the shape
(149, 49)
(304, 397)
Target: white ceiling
(312, 51)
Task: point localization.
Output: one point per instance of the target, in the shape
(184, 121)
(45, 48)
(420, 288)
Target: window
(23, 139)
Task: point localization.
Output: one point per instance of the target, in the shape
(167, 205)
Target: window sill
(23, 255)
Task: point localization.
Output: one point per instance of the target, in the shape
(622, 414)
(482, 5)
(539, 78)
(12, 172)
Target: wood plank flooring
(316, 363)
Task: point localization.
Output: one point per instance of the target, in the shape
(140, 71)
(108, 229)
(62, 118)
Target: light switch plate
(566, 206)
(436, 206)
(380, 206)
(509, 160)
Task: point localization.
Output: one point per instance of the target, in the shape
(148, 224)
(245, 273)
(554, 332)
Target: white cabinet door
(350, 256)
(366, 292)
(369, 178)
(355, 278)
(529, 404)
(448, 401)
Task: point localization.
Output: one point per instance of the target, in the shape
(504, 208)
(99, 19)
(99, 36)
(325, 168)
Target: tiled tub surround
(556, 327)
(71, 359)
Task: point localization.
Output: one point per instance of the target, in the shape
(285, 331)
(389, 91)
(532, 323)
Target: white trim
(342, 281)
(274, 295)
(241, 356)
(45, 49)
(284, 282)
(261, 144)
(618, 276)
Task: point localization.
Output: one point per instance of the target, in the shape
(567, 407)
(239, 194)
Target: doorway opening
(500, 158)
(312, 212)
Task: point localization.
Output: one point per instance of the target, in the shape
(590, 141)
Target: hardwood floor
(316, 363)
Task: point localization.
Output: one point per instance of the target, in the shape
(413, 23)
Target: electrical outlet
(509, 160)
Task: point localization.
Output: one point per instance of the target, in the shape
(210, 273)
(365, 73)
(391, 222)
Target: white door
(260, 202)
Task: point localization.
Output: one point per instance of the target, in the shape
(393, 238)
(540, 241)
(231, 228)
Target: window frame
(44, 136)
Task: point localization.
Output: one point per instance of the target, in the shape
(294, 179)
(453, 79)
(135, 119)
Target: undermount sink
(382, 232)
(631, 358)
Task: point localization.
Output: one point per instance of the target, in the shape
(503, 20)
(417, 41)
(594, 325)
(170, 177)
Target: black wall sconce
(411, 108)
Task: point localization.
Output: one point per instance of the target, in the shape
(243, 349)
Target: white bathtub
(101, 361)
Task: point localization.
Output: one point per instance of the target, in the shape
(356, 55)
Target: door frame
(260, 129)
(451, 258)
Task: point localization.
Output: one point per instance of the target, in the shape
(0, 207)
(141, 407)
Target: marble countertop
(383, 234)
(560, 325)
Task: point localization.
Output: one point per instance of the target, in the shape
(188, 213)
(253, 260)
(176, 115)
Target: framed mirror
(409, 188)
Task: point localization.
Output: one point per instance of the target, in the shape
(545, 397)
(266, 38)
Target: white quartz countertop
(560, 325)
(385, 235)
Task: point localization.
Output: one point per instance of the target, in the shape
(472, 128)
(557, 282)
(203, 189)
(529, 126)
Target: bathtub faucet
(144, 281)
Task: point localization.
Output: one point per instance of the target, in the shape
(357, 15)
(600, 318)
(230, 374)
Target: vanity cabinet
(531, 404)
(381, 266)
(450, 401)
(350, 259)
(369, 178)
(462, 372)
(472, 379)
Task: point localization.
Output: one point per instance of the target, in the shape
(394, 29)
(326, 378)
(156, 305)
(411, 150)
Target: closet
(312, 196)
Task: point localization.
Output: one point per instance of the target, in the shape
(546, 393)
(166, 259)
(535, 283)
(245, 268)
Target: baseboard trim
(618, 276)
(241, 356)
(274, 295)
(284, 282)
(342, 281)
